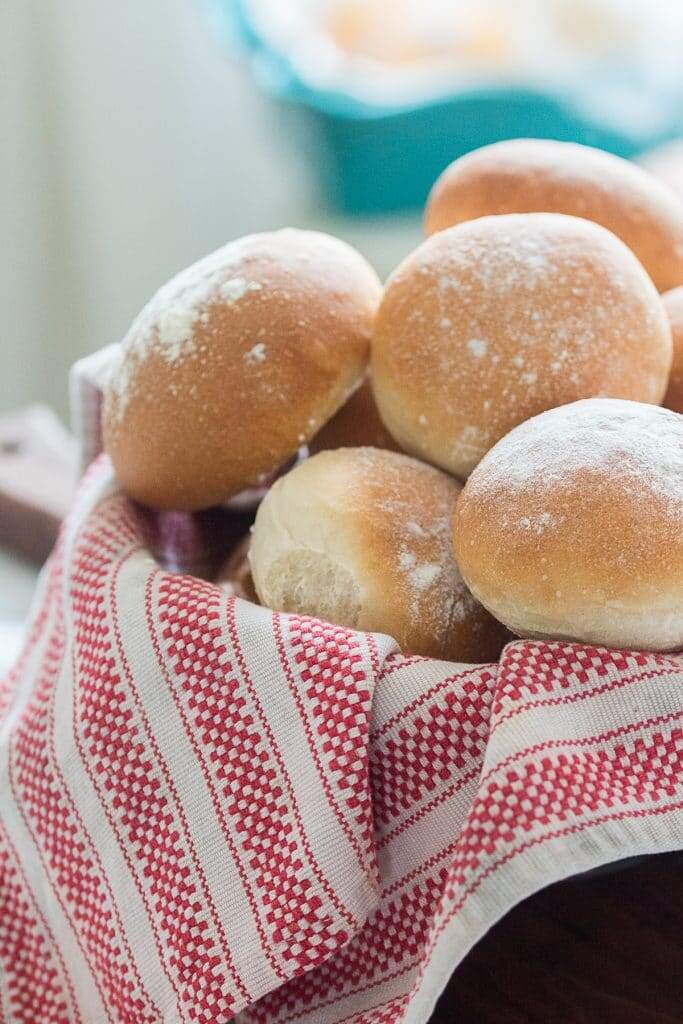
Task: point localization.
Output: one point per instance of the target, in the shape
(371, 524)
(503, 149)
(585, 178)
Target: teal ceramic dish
(371, 158)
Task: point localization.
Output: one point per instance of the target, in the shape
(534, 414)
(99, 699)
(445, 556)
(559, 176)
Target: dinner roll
(357, 424)
(361, 538)
(537, 175)
(235, 363)
(493, 321)
(673, 304)
(572, 526)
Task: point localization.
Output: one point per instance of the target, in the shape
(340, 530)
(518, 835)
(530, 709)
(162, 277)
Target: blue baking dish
(371, 158)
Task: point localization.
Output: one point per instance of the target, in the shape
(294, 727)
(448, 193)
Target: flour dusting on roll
(493, 321)
(572, 526)
(541, 175)
(235, 364)
(362, 538)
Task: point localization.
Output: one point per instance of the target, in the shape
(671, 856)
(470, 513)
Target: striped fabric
(212, 811)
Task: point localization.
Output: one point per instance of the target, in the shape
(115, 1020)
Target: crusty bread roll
(493, 321)
(361, 538)
(356, 425)
(673, 304)
(572, 526)
(237, 362)
(535, 175)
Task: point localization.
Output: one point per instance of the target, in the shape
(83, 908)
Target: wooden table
(600, 950)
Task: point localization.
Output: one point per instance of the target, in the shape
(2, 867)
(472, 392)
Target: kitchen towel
(209, 810)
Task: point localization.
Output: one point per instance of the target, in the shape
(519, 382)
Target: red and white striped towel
(209, 810)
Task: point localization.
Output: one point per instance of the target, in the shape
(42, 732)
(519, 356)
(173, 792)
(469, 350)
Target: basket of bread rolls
(364, 625)
(478, 449)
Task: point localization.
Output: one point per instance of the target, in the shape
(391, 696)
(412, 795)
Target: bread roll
(673, 304)
(493, 321)
(356, 425)
(361, 538)
(572, 526)
(237, 362)
(535, 175)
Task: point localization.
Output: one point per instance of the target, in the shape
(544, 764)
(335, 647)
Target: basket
(372, 159)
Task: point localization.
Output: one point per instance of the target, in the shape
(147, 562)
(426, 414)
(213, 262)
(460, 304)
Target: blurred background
(138, 136)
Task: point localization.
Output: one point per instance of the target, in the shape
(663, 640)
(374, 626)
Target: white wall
(129, 146)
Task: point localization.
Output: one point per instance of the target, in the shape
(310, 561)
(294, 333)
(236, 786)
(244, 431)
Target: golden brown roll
(536, 175)
(673, 304)
(237, 362)
(361, 538)
(493, 321)
(572, 526)
(356, 425)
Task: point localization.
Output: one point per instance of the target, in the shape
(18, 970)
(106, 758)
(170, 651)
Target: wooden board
(37, 480)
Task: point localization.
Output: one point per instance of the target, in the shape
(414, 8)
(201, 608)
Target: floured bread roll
(572, 526)
(235, 364)
(361, 538)
(493, 321)
(540, 175)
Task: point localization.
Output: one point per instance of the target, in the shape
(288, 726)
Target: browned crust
(564, 542)
(380, 522)
(390, 497)
(528, 175)
(356, 424)
(259, 377)
(496, 320)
